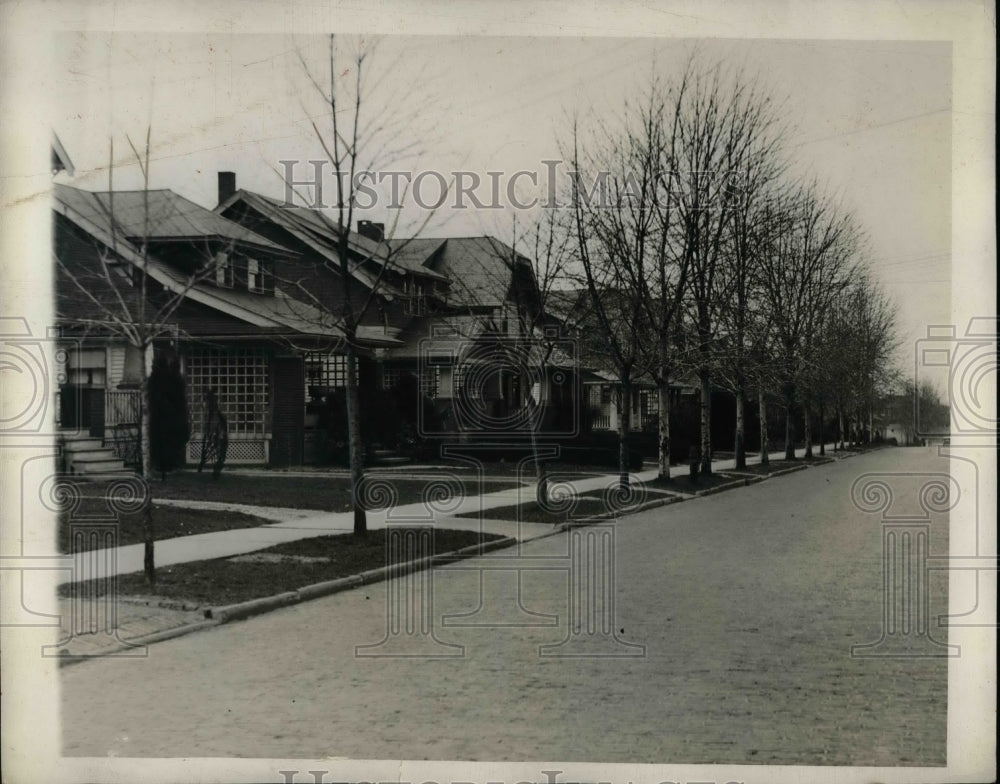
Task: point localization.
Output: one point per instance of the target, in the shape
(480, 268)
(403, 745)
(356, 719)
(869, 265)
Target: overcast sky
(870, 119)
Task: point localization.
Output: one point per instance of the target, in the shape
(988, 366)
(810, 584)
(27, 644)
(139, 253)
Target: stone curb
(138, 642)
(215, 616)
(790, 470)
(242, 610)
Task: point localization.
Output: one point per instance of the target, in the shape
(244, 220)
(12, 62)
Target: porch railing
(122, 411)
(601, 421)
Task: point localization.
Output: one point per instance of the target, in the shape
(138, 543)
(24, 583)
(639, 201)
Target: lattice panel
(239, 452)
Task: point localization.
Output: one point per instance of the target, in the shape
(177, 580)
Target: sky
(870, 120)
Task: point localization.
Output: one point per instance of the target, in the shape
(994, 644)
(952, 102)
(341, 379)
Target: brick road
(747, 602)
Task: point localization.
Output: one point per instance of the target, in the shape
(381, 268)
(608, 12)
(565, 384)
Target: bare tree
(807, 264)
(643, 221)
(537, 276)
(125, 302)
(741, 320)
(860, 339)
(363, 135)
(611, 233)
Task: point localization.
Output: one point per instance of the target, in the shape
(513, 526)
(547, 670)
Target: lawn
(322, 492)
(684, 483)
(284, 567)
(168, 522)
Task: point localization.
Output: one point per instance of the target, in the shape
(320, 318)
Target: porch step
(97, 464)
(83, 445)
(390, 461)
(106, 476)
(87, 456)
(387, 457)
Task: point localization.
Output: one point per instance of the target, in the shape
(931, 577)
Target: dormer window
(254, 281)
(223, 271)
(416, 299)
(259, 277)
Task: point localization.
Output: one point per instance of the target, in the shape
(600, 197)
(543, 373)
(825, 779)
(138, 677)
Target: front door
(82, 408)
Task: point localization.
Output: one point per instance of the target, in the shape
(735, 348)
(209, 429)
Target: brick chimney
(227, 185)
(371, 230)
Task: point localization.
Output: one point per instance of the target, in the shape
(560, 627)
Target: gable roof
(280, 314)
(60, 158)
(480, 270)
(160, 215)
(321, 234)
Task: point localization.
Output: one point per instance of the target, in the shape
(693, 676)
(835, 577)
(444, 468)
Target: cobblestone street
(747, 603)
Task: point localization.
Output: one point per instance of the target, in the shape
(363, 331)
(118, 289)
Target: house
(254, 302)
(457, 307)
(601, 386)
(214, 297)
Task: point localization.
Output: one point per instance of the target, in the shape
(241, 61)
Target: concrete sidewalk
(294, 524)
(139, 621)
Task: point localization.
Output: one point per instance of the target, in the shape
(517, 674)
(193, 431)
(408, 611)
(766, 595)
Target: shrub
(169, 427)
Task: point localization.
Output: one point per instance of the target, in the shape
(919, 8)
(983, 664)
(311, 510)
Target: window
(390, 378)
(254, 280)
(416, 297)
(325, 373)
(223, 270)
(259, 278)
(460, 377)
(429, 380)
(239, 377)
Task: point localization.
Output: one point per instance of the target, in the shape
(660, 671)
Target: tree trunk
(706, 421)
(663, 428)
(740, 440)
(148, 525)
(807, 428)
(355, 446)
(663, 407)
(541, 475)
(822, 434)
(762, 405)
(624, 422)
(789, 393)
